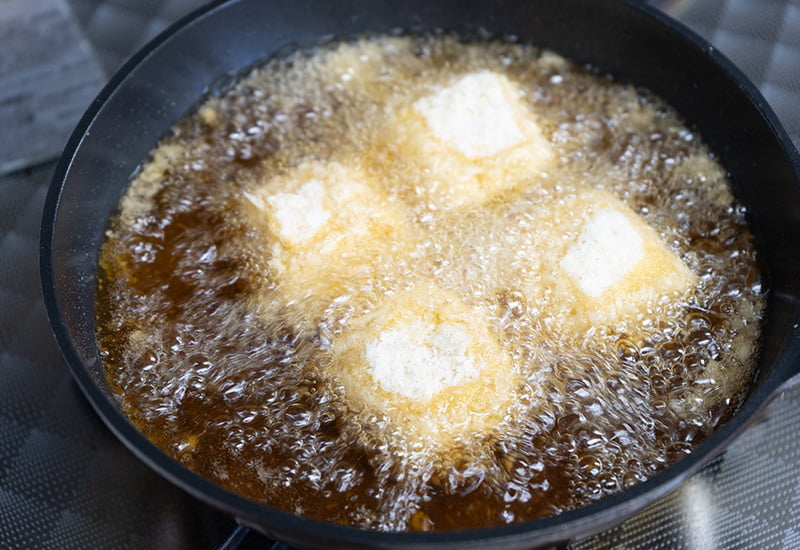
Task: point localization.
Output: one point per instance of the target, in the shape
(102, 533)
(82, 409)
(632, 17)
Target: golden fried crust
(460, 145)
(602, 263)
(456, 380)
(327, 228)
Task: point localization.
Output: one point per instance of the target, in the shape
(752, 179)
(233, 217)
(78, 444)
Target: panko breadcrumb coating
(602, 264)
(463, 143)
(327, 227)
(431, 363)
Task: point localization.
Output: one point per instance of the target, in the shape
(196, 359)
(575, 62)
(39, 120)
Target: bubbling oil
(207, 359)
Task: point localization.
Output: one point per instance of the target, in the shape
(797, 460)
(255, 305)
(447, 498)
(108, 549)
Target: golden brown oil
(241, 397)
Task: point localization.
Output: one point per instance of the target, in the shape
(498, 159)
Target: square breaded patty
(428, 361)
(464, 142)
(601, 264)
(327, 229)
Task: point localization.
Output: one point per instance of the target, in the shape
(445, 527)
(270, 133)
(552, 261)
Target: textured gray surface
(65, 482)
(117, 28)
(48, 74)
(763, 38)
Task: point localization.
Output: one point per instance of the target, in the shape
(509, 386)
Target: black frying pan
(634, 43)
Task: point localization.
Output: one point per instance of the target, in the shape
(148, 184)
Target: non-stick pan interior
(631, 43)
